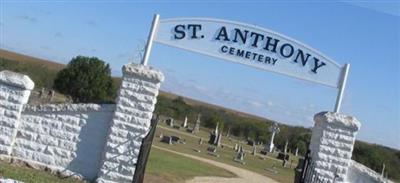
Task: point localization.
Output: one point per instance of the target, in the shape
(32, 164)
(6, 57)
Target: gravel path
(243, 176)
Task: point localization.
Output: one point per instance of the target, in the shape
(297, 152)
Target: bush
(86, 79)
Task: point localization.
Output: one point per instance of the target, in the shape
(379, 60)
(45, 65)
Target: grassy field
(260, 164)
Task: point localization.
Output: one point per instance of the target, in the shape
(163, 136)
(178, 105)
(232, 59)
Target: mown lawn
(260, 164)
(175, 168)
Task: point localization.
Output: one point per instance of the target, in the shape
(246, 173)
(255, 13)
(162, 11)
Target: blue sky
(364, 34)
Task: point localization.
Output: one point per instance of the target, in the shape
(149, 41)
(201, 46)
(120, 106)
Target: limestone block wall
(331, 145)
(95, 142)
(14, 93)
(359, 173)
(68, 138)
(131, 122)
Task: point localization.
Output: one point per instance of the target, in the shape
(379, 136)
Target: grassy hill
(237, 123)
(9, 55)
(42, 72)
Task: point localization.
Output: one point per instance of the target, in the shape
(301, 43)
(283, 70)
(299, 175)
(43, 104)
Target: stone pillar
(14, 93)
(331, 145)
(131, 122)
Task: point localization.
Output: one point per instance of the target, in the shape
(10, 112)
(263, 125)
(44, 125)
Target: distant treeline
(371, 155)
(233, 124)
(241, 127)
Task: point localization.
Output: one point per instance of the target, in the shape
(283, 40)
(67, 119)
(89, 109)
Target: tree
(302, 147)
(86, 79)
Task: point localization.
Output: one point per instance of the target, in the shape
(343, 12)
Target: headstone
(212, 149)
(254, 150)
(167, 139)
(212, 139)
(296, 153)
(284, 163)
(200, 141)
(196, 128)
(214, 136)
(229, 132)
(240, 156)
(219, 140)
(175, 139)
(236, 147)
(170, 122)
(52, 93)
(42, 93)
(283, 156)
(184, 124)
(250, 142)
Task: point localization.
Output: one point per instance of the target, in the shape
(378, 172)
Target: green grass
(161, 165)
(253, 163)
(29, 175)
(175, 168)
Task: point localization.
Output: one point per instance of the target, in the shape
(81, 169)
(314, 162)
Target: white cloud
(256, 104)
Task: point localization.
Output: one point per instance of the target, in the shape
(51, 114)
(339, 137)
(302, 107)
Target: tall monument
(273, 129)
(184, 124)
(216, 129)
(286, 146)
(196, 128)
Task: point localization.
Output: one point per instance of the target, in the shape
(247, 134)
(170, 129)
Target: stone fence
(358, 173)
(94, 142)
(331, 146)
(102, 142)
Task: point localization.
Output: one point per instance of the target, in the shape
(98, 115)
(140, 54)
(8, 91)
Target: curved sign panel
(249, 45)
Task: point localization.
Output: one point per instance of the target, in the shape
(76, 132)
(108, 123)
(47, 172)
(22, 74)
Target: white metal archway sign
(249, 45)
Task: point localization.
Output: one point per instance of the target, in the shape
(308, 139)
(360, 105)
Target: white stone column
(14, 93)
(331, 145)
(131, 122)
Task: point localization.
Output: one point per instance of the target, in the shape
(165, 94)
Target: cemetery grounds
(168, 167)
(268, 166)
